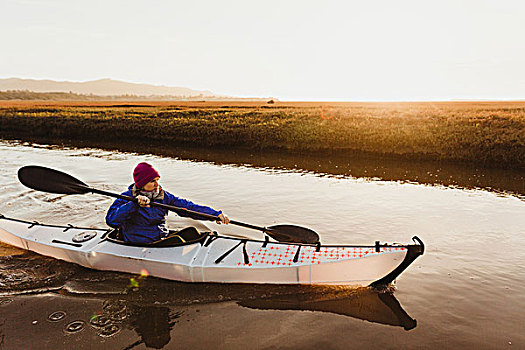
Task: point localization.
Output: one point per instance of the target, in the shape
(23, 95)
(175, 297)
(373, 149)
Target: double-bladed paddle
(54, 181)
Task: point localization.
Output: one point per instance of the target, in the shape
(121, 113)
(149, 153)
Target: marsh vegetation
(486, 133)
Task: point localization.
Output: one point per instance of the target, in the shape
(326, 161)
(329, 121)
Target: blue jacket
(145, 225)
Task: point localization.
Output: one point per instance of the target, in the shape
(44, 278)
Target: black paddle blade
(49, 180)
(292, 234)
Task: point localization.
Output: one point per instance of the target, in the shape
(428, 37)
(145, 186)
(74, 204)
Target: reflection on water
(364, 303)
(152, 307)
(90, 319)
(511, 181)
(153, 324)
(338, 164)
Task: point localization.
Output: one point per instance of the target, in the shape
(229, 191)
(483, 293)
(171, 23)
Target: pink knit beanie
(143, 174)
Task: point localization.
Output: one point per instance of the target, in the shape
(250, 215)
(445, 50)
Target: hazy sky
(293, 50)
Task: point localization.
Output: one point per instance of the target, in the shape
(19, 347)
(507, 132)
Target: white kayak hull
(248, 261)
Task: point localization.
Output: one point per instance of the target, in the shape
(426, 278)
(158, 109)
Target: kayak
(216, 258)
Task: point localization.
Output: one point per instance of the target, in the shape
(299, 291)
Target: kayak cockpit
(186, 236)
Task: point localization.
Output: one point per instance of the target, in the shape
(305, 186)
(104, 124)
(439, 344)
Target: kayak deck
(217, 258)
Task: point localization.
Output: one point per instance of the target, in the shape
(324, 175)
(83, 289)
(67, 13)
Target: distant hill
(101, 87)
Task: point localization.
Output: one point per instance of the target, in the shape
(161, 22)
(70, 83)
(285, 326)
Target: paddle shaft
(55, 181)
(177, 209)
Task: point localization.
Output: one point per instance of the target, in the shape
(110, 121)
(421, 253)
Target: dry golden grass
(489, 133)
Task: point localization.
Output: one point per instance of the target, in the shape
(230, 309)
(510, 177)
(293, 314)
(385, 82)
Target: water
(465, 292)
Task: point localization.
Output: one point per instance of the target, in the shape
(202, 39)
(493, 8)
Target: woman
(141, 223)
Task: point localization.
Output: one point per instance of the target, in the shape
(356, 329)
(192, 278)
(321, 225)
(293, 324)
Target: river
(466, 291)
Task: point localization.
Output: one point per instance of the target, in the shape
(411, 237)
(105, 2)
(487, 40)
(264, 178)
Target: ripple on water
(29, 272)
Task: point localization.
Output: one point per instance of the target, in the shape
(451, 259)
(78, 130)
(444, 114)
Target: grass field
(485, 133)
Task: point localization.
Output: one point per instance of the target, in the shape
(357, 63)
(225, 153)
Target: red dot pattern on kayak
(283, 256)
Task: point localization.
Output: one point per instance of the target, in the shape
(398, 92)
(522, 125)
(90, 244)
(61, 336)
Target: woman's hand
(143, 201)
(223, 219)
